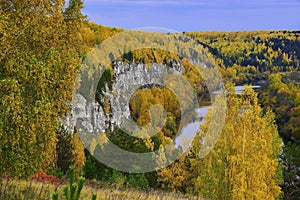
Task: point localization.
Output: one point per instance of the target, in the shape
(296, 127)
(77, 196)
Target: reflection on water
(185, 138)
(241, 89)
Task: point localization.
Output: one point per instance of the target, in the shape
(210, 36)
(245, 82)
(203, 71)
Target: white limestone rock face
(88, 116)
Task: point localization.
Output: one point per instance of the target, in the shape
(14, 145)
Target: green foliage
(70, 151)
(246, 57)
(105, 80)
(93, 169)
(72, 192)
(118, 178)
(64, 150)
(54, 196)
(56, 172)
(282, 96)
(42, 45)
(250, 57)
(137, 181)
(291, 171)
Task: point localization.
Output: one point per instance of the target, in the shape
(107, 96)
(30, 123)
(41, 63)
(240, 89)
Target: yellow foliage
(78, 157)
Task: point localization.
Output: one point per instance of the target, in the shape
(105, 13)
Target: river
(184, 139)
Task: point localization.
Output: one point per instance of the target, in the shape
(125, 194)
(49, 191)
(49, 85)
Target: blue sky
(196, 15)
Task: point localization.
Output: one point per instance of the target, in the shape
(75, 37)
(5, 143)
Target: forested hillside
(250, 56)
(270, 59)
(256, 157)
(267, 58)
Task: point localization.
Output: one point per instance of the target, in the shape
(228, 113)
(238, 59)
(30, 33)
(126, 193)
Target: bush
(41, 176)
(138, 181)
(93, 169)
(55, 172)
(72, 192)
(118, 178)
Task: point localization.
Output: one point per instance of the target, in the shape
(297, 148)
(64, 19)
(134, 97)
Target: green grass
(31, 190)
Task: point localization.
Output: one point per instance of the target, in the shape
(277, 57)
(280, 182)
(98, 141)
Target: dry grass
(30, 190)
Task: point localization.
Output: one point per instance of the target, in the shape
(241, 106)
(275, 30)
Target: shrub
(41, 176)
(138, 181)
(72, 192)
(56, 172)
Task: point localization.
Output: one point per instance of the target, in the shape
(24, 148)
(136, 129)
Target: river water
(188, 132)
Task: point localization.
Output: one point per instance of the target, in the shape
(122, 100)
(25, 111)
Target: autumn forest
(42, 47)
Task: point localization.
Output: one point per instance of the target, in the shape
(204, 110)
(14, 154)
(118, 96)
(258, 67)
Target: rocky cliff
(88, 116)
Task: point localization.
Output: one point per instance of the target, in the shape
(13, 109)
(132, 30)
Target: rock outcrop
(88, 116)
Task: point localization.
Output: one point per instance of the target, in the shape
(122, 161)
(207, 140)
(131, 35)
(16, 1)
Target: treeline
(251, 56)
